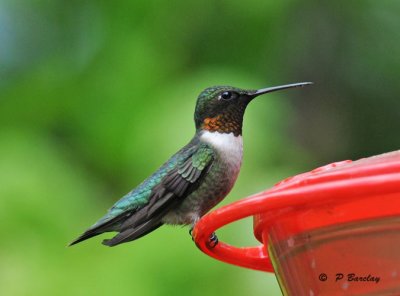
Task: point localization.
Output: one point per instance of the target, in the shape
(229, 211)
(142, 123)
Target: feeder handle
(250, 257)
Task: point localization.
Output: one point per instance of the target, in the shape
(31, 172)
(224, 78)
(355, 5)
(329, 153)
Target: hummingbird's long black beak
(275, 88)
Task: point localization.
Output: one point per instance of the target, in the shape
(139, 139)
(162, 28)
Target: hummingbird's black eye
(227, 95)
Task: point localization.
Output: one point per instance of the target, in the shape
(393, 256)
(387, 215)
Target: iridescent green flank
(200, 153)
(202, 157)
(139, 196)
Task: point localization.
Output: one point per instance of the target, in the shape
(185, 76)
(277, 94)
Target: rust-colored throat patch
(223, 124)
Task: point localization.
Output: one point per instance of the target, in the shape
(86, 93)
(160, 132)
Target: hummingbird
(193, 180)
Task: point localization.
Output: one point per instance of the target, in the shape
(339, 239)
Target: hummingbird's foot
(190, 232)
(213, 240)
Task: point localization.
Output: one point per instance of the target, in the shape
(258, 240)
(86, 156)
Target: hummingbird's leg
(213, 241)
(192, 226)
(190, 232)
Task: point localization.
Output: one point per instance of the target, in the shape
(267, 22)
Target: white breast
(228, 146)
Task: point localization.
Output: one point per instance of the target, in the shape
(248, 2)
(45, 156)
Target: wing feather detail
(185, 177)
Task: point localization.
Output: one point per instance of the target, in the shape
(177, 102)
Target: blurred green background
(95, 95)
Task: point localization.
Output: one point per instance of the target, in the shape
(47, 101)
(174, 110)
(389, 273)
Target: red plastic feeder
(332, 231)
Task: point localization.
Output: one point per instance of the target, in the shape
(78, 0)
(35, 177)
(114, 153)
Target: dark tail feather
(131, 234)
(88, 234)
(108, 225)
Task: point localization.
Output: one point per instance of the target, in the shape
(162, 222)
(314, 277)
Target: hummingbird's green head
(221, 108)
